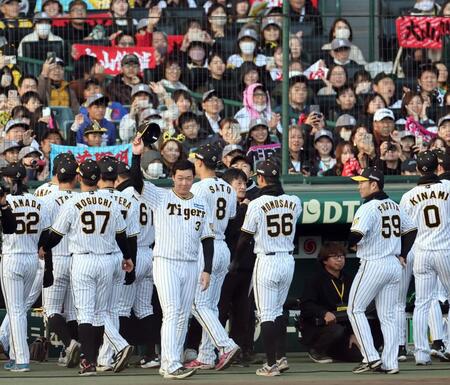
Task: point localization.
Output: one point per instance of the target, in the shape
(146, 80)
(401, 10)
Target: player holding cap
(93, 223)
(113, 341)
(19, 263)
(58, 298)
(181, 224)
(271, 219)
(221, 202)
(428, 205)
(383, 234)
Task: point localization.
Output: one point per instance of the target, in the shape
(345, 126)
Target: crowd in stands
(344, 113)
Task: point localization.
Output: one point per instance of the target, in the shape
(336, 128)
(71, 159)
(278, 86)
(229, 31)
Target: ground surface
(302, 371)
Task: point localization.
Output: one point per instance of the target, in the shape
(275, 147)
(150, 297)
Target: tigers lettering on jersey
(176, 209)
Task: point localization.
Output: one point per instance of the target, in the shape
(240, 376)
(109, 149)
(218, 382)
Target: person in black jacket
(326, 330)
(235, 300)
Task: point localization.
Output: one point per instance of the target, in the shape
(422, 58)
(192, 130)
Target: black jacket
(320, 295)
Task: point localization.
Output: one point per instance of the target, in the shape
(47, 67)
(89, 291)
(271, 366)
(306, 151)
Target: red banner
(422, 32)
(110, 57)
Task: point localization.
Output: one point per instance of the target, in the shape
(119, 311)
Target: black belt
(280, 252)
(87, 254)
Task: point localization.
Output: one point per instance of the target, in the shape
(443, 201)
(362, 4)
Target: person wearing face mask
(345, 124)
(248, 40)
(340, 55)
(42, 31)
(217, 21)
(425, 7)
(142, 98)
(195, 71)
(341, 29)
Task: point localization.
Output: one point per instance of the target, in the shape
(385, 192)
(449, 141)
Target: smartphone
(367, 139)
(46, 112)
(419, 141)
(10, 60)
(12, 94)
(195, 35)
(314, 108)
(51, 55)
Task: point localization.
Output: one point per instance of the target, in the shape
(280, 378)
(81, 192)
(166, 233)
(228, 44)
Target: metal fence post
(371, 30)
(285, 89)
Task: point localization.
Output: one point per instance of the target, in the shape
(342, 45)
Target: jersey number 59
(390, 226)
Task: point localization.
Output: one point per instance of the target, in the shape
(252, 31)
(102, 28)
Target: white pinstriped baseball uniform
(36, 288)
(113, 341)
(221, 202)
(272, 220)
(19, 266)
(58, 298)
(138, 295)
(180, 224)
(381, 222)
(91, 221)
(429, 207)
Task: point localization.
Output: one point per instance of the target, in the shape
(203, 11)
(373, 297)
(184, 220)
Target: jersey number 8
(280, 224)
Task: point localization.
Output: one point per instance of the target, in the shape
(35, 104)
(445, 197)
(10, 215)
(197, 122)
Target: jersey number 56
(280, 224)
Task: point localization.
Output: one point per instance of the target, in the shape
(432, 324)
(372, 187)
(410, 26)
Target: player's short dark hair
(232, 174)
(89, 182)
(183, 165)
(329, 249)
(271, 179)
(66, 178)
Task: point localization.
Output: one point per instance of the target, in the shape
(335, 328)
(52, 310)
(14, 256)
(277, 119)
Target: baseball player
(129, 209)
(271, 220)
(384, 234)
(19, 263)
(428, 205)
(58, 298)
(36, 288)
(138, 295)
(92, 221)
(221, 202)
(181, 223)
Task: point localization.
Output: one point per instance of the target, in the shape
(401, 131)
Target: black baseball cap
(89, 170)
(67, 166)
(427, 162)
(370, 174)
(15, 170)
(208, 154)
(443, 158)
(108, 167)
(58, 158)
(267, 168)
(122, 168)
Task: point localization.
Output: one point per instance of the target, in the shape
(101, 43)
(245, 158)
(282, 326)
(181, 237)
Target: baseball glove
(39, 349)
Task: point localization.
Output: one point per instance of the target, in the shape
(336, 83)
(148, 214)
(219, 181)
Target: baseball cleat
(122, 359)
(9, 365)
(226, 359)
(423, 363)
(73, 354)
(319, 358)
(104, 368)
(438, 350)
(386, 371)
(87, 369)
(402, 354)
(180, 373)
(148, 363)
(367, 366)
(268, 371)
(19, 368)
(282, 364)
(198, 365)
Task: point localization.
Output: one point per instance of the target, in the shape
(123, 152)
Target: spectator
(248, 74)
(327, 332)
(428, 87)
(346, 103)
(217, 22)
(425, 8)
(372, 104)
(390, 162)
(171, 150)
(346, 162)
(229, 152)
(409, 167)
(10, 151)
(335, 79)
(408, 144)
(298, 95)
(383, 126)
(414, 109)
(49, 137)
(122, 22)
(444, 129)
(229, 132)
(270, 35)
(27, 83)
(297, 52)
(239, 11)
(259, 144)
(299, 163)
(345, 125)
(6, 79)
(243, 163)
(172, 74)
(93, 135)
(18, 130)
(77, 28)
(189, 126)
(302, 11)
(247, 44)
(443, 76)
(437, 143)
(124, 41)
(96, 106)
(120, 87)
(31, 158)
(212, 105)
(53, 8)
(53, 89)
(340, 55)
(10, 10)
(324, 162)
(31, 101)
(146, 27)
(195, 72)
(341, 29)
(42, 32)
(362, 82)
(384, 85)
(257, 105)
(218, 77)
(141, 99)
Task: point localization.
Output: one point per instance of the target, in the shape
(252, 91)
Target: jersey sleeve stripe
(357, 231)
(120, 231)
(409, 230)
(56, 232)
(247, 231)
(207, 236)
